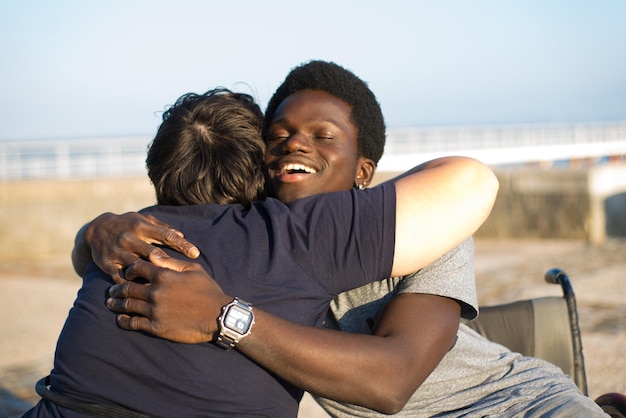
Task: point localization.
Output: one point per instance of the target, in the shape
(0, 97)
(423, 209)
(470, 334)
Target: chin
(287, 196)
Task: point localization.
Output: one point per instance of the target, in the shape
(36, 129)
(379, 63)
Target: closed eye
(276, 138)
(324, 137)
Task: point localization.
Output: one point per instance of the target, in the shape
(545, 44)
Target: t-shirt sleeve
(349, 237)
(452, 276)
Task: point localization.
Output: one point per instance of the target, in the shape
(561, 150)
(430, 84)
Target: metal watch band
(230, 336)
(225, 342)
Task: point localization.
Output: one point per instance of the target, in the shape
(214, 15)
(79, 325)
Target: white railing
(495, 145)
(505, 144)
(403, 140)
(72, 158)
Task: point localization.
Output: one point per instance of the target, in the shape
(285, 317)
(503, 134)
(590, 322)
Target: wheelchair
(547, 328)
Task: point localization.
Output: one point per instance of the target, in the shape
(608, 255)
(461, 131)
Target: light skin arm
(400, 355)
(439, 204)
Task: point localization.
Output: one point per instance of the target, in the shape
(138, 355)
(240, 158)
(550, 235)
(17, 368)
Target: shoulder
(452, 275)
(374, 195)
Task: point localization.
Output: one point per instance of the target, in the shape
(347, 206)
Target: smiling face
(312, 148)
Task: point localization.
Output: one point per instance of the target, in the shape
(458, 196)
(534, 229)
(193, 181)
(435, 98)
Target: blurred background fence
(556, 181)
(545, 144)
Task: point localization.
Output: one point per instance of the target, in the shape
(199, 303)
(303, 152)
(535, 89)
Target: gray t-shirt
(476, 377)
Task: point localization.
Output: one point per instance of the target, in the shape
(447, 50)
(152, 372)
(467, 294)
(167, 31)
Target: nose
(296, 142)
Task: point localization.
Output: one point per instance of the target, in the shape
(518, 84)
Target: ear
(365, 172)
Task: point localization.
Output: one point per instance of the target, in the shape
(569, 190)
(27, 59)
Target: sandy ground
(36, 299)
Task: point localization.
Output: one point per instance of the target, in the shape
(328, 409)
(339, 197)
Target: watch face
(238, 319)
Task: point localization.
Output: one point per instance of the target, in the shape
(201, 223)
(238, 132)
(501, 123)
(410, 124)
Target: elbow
(391, 398)
(494, 184)
(486, 189)
(392, 404)
(392, 408)
(488, 179)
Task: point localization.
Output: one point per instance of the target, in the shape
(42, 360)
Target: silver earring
(361, 187)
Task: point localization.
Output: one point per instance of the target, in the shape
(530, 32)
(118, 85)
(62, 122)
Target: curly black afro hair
(343, 84)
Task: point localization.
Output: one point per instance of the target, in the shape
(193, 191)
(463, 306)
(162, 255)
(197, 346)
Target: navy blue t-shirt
(289, 260)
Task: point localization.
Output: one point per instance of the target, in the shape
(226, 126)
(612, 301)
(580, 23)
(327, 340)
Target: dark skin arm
(414, 333)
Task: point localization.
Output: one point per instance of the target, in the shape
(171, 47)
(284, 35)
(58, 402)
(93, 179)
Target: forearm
(328, 363)
(378, 371)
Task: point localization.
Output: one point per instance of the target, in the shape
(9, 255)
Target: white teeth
(298, 167)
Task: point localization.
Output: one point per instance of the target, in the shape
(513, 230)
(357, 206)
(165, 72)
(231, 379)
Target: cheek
(343, 175)
(268, 153)
(345, 166)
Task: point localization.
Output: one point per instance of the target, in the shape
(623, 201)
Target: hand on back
(155, 307)
(117, 241)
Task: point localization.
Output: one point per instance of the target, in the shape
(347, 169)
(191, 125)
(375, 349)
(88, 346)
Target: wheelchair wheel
(613, 404)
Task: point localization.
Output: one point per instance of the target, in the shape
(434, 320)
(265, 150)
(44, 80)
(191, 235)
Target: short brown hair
(209, 149)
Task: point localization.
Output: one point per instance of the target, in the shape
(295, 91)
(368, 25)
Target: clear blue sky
(108, 67)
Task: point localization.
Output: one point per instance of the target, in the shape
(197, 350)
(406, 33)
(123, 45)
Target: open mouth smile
(292, 172)
(295, 169)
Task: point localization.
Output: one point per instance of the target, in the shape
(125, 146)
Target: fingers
(118, 276)
(129, 306)
(172, 240)
(175, 264)
(131, 243)
(130, 297)
(130, 290)
(122, 259)
(158, 267)
(162, 224)
(140, 242)
(161, 233)
(142, 269)
(134, 323)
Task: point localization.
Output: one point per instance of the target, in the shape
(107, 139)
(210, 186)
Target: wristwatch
(235, 323)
